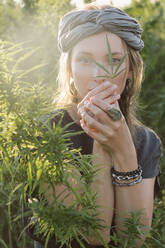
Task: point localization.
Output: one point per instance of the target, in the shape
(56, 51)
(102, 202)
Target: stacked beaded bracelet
(126, 178)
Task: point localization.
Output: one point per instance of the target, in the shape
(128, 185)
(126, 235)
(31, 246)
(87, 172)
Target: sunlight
(117, 3)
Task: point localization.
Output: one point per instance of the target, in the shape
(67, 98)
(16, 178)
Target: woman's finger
(95, 123)
(105, 107)
(112, 99)
(92, 111)
(97, 113)
(92, 132)
(102, 87)
(107, 92)
(89, 120)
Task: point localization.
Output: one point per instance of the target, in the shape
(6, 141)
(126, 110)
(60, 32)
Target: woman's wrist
(122, 161)
(125, 161)
(102, 156)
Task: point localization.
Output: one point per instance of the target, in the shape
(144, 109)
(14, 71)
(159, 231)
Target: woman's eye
(85, 60)
(116, 60)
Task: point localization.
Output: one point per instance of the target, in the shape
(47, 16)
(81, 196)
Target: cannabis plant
(36, 156)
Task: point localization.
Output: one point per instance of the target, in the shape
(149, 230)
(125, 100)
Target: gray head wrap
(77, 25)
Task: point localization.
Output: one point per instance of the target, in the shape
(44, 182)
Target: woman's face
(84, 72)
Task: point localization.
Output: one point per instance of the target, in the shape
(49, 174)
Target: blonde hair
(129, 98)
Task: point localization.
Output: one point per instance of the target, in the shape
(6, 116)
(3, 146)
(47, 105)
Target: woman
(104, 108)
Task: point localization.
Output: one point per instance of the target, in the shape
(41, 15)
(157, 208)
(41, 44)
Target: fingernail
(114, 86)
(82, 122)
(112, 105)
(93, 130)
(80, 111)
(91, 88)
(91, 99)
(106, 83)
(117, 96)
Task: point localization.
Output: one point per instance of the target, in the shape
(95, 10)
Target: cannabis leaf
(111, 73)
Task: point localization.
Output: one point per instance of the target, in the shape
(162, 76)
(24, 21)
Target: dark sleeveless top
(148, 148)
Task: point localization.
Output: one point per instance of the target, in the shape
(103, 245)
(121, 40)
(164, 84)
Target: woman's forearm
(131, 198)
(102, 185)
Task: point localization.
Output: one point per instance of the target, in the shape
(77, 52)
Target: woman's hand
(105, 91)
(114, 136)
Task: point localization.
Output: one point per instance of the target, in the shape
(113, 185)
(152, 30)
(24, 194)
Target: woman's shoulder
(55, 116)
(149, 150)
(146, 138)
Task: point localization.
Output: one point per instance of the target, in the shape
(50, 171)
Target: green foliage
(156, 236)
(34, 24)
(10, 15)
(36, 157)
(131, 232)
(152, 18)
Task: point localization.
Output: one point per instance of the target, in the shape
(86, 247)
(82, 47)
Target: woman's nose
(98, 77)
(99, 74)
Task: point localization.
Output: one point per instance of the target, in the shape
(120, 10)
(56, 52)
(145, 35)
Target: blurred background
(33, 25)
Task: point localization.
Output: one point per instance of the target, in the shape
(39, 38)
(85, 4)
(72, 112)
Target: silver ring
(114, 113)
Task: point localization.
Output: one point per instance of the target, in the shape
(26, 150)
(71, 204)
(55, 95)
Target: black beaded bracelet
(126, 175)
(139, 180)
(126, 178)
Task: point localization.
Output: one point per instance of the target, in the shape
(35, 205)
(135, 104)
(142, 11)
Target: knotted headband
(77, 25)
